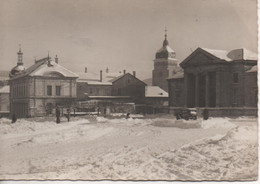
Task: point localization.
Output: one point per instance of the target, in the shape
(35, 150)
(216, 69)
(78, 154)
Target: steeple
(165, 42)
(20, 56)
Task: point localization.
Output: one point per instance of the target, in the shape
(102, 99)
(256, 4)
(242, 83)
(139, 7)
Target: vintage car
(186, 114)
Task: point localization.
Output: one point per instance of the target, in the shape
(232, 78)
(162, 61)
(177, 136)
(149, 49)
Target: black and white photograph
(129, 90)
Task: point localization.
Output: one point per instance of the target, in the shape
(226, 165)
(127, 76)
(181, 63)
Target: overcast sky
(121, 34)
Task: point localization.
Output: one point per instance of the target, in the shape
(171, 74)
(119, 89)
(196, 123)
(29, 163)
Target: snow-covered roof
(43, 68)
(94, 78)
(221, 54)
(155, 91)
(5, 89)
(253, 69)
(236, 54)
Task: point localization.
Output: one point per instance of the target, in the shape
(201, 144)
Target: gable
(200, 57)
(126, 77)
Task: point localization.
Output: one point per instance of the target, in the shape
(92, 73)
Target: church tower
(165, 65)
(19, 67)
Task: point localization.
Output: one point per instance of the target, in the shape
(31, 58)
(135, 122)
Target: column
(207, 91)
(196, 90)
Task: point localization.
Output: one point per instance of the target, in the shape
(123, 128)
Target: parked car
(186, 114)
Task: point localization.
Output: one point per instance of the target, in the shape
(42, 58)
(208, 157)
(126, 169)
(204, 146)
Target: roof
(155, 91)
(221, 56)
(94, 78)
(5, 89)
(41, 68)
(119, 77)
(166, 48)
(253, 69)
(236, 54)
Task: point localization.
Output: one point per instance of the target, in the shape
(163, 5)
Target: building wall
(156, 101)
(176, 92)
(163, 69)
(251, 89)
(29, 95)
(234, 87)
(92, 90)
(4, 102)
(129, 85)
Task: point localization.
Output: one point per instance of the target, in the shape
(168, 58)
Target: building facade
(36, 91)
(129, 86)
(216, 78)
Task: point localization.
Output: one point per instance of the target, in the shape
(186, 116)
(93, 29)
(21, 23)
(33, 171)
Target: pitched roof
(5, 89)
(236, 54)
(40, 68)
(155, 91)
(116, 79)
(223, 55)
(94, 78)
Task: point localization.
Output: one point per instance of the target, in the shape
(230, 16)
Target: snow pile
(229, 157)
(183, 124)
(128, 149)
(217, 123)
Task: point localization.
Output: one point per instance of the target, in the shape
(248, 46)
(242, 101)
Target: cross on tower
(165, 32)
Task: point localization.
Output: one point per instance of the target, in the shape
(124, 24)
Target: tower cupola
(19, 67)
(166, 51)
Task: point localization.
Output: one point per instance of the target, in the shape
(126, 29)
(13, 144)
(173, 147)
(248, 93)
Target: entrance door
(49, 108)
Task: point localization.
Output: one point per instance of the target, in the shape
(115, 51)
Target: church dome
(19, 67)
(166, 51)
(16, 70)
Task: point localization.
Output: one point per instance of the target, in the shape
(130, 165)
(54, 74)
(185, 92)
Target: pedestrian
(68, 114)
(205, 114)
(127, 115)
(57, 115)
(14, 118)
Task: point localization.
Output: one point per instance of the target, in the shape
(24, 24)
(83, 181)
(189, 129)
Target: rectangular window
(90, 91)
(58, 89)
(235, 77)
(49, 90)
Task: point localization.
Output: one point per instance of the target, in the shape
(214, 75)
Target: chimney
(124, 72)
(86, 69)
(100, 75)
(56, 59)
(107, 70)
(134, 73)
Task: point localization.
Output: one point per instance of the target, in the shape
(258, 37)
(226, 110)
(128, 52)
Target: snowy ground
(150, 148)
